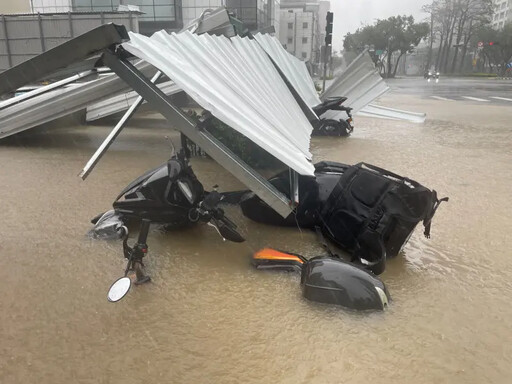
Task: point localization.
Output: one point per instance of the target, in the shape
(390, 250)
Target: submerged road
(455, 89)
(208, 316)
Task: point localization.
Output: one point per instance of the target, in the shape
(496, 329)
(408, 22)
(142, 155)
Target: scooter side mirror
(119, 289)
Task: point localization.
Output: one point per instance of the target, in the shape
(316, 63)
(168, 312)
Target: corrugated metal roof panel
(294, 69)
(122, 102)
(236, 81)
(372, 110)
(360, 83)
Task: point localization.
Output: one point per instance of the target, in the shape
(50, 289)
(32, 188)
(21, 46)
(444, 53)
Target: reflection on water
(208, 317)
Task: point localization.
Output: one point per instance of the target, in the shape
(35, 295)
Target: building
(502, 13)
(257, 15)
(156, 14)
(51, 6)
(14, 6)
(26, 35)
(192, 9)
(302, 29)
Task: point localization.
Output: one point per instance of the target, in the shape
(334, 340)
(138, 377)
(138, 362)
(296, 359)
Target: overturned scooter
(169, 195)
(365, 210)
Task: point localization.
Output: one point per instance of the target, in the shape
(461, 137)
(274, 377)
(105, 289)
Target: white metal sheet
(120, 103)
(294, 69)
(50, 105)
(236, 81)
(372, 110)
(360, 83)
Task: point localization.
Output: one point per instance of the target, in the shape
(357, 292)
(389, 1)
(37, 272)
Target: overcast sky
(351, 14)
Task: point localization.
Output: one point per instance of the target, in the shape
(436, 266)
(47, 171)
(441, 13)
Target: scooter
(331, 127)
(170, 195)
(432, 75)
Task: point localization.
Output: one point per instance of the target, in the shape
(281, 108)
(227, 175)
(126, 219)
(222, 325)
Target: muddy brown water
(208, 317)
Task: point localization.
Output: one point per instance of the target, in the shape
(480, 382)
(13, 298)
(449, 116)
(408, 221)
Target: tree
(497, 48)
(455, 22)
(394, 36)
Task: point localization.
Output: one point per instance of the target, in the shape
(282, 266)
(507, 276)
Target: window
(290, 25)
(290, 40)
(305, 25)
(304, 55)
(304, 40)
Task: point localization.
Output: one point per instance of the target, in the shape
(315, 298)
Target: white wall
(14, 6)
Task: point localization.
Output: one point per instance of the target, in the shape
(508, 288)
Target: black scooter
(171, 195)
(331, 127)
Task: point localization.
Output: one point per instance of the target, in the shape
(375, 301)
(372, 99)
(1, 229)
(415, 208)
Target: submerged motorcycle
(172, 195)
(169, 195)
(332, 127)
(365, 210)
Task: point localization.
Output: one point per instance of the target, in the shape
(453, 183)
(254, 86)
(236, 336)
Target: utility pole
(328, 42)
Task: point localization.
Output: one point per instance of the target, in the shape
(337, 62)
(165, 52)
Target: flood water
(208, 317)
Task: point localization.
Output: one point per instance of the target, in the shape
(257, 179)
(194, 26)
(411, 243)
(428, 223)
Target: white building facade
(51, 6)
(502, 13)
(302, 29)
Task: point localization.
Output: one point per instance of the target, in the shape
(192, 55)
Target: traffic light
(491, 43)
(328, 28)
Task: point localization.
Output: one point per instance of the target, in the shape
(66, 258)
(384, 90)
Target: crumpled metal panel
(294, 69)
(379, 111)
(360, 83)
(121, 103)
(56, 103)
(236, 81)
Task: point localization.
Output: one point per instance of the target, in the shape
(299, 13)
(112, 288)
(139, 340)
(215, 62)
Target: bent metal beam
(221, 154)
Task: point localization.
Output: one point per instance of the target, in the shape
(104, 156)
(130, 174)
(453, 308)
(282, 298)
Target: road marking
(441, 98)
(500, 98)
(474, 98)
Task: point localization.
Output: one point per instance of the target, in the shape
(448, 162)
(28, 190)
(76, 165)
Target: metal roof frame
(106, 40)
(85, 45)
(218, 151)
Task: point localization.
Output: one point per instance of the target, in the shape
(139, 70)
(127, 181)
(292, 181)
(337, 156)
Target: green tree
(454, 23)
(394, 37)
(497, 49)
